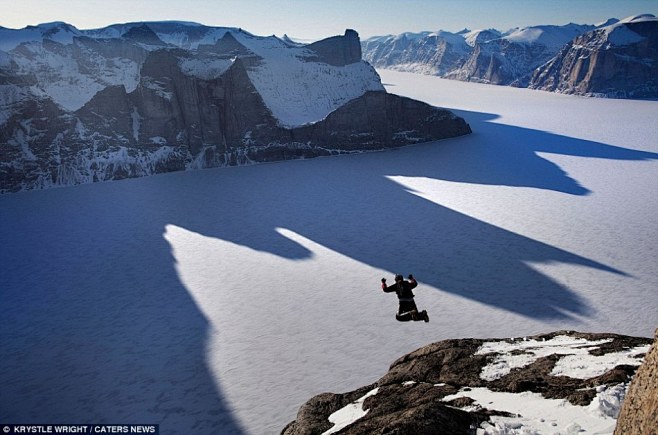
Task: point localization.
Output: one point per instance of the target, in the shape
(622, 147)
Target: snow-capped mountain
(488, 56)
(135, 99)
(553, 58)
(616, 60)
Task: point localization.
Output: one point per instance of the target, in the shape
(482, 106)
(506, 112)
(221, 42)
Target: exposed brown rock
(639, 413)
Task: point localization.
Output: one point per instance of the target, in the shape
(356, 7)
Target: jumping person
(407, 310)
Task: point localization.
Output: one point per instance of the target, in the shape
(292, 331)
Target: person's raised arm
(412, 281)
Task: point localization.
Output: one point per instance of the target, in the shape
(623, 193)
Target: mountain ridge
(524, 57)
(136, 99)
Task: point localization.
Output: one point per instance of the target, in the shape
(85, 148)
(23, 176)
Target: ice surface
(226, 298)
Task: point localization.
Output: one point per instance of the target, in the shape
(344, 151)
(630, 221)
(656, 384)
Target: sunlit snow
(222, 300)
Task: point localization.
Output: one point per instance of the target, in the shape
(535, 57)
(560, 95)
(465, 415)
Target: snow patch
(136, 123)
(480, 36)
(582, 365)
(523, 353)
(622, 35)
(537, 415)
(639, 18)
(553, 37)
(59, 75)
(21, 139)
(608, 401)
(300, 92)
(158, 140)
(206, 68)
(158, 87)
(619, 33)
(349, 414)
(577, 362)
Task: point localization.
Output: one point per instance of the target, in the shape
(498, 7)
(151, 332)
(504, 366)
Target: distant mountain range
(128, 100)
(616, 59)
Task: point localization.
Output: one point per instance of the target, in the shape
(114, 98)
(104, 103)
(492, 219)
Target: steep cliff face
(639, 414)
(614, 59)
(379, 119)
(338, 50)
(454, 386)
(487, 56)
(137, 99)
(620, 60)
(439, 53)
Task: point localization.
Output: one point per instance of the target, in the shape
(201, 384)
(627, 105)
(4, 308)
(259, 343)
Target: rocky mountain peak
(338, 50)
(141, 98)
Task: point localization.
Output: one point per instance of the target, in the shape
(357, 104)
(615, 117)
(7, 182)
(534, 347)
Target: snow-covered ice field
(219, 301)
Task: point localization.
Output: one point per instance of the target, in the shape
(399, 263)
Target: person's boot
(424, 316)
(415, 316)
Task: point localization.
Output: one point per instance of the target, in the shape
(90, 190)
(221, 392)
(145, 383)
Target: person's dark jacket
(402, 289)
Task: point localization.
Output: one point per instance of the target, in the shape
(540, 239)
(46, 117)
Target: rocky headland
(79, 106)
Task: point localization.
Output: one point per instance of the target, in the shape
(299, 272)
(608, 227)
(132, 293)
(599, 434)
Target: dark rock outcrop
(639, 413)
(410, 398)
(379, 120)
(338, 50)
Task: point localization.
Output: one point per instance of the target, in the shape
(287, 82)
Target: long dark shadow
(97, 327)
(351, 206)
(498, 154)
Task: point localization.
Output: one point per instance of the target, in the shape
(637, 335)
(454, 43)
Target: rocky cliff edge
(470, 386)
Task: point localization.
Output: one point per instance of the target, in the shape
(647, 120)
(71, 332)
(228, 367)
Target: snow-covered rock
(500, 386)
(79, 106)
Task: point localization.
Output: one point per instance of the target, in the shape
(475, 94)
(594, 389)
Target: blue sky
(315, 19)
